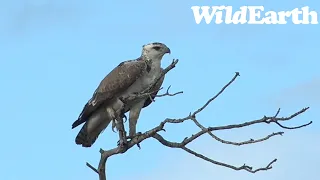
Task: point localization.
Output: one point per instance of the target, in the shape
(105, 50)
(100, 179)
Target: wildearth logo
(253, 15)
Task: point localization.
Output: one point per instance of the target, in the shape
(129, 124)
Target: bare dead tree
(154, 133)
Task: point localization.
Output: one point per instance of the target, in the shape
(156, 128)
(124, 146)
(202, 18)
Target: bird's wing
(155, 91)
(117, 81)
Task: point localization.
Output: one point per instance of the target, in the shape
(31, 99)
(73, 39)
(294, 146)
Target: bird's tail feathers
(76, 123)
(87, 136)
(83, 138)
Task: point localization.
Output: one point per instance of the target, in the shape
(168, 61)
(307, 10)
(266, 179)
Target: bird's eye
(157, 48)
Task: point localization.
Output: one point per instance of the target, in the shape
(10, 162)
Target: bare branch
(243, 167)
(274, 118)
(295, 127)
(148, 94)
(251, 141)
(218, 94)
(182, 146)
(154, 133)
(169, 94)
(193, 115)
(93, 168)
(209, 129)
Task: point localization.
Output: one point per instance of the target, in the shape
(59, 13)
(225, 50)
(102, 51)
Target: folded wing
(116, 82)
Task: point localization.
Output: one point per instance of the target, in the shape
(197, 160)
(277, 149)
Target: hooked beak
(168, 50)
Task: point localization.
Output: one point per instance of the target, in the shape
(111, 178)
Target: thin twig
(169, 94)
(295, 127)
(251, 141)
(218, 94)
(193, 115)
(93, 168)
(183, 146)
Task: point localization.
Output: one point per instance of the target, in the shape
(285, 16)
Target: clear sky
(53, 54)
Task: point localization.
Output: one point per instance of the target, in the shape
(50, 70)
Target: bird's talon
(134, 136)
(125, 118)
(138, 134)
(113, 125)
(121, 144)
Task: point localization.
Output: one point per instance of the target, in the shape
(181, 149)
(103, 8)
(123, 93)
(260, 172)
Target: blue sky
(53, 54)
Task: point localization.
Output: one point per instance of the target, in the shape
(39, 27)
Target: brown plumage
(128, 77)
(112, 85)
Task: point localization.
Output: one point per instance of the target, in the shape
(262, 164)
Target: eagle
(129, 78)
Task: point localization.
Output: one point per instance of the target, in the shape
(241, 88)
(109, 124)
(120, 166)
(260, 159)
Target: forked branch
(154, 133)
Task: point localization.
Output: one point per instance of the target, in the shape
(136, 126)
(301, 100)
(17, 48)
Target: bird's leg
(133, 119)
(120, 126)
(122, 133)
(135, 136)
(112, 116)
(120, 112)
(125, 117)
(113, 125)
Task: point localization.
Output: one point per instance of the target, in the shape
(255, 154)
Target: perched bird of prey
(128, 78)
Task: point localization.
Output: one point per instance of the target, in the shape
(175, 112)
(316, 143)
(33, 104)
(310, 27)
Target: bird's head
(154, 51)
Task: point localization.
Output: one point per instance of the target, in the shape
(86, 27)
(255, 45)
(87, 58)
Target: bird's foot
(122, 143)
(125, 118)
(123, 115)
(136, 135)
(114, 124)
